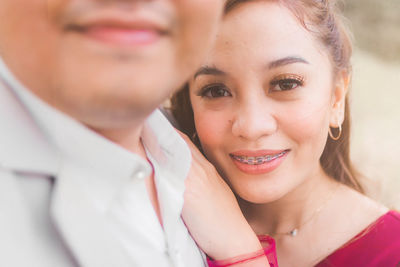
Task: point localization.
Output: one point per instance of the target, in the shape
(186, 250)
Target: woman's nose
(254, 119)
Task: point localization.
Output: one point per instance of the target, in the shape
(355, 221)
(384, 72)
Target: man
(89, 174)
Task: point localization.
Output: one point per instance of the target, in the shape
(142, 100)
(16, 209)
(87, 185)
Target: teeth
(257, 160)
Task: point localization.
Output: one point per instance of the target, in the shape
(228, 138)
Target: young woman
(269, 110)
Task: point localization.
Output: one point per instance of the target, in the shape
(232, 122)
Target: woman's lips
(258, 162)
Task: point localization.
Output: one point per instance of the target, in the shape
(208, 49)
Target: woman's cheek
(209, 127)
(213, 132)
(307, 126)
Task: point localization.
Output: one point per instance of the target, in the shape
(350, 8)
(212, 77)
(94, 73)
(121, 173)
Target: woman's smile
(258, 162)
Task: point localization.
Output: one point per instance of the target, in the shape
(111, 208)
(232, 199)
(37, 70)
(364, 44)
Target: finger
(188, 141)
(197, 155)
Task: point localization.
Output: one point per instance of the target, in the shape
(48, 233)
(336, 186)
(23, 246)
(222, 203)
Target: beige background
(375, 95)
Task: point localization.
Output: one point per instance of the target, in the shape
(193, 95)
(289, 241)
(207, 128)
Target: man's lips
(123, 36)
(120, 31)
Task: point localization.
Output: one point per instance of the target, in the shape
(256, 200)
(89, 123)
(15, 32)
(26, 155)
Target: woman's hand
(212, 214)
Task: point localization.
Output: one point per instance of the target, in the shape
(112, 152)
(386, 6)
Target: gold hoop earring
(335, 138)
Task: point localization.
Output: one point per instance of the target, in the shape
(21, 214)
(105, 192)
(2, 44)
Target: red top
(376, 246)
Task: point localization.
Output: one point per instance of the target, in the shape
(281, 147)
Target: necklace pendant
(293, 232)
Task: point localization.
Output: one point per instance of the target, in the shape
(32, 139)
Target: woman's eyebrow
(211, 70)
(285, 61)
(208, 70)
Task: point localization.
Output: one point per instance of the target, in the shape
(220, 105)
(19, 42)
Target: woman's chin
(264, 197)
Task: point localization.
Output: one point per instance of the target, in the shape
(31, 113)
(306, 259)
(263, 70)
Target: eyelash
(291, 79)
(207, 91)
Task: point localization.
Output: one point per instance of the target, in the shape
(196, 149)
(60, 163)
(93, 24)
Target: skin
(213, 216)
(253, 113)
(106, 83)
(108, 86)
(111, 84)
(253, 103)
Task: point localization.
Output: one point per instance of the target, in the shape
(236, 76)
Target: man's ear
(341, 87)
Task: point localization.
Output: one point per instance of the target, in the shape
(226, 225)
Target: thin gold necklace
(294, 231)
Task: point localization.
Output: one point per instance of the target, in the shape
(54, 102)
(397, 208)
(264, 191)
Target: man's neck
(128, 138)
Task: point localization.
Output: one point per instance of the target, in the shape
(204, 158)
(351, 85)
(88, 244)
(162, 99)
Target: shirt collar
(73, 141)
(23, 147)
(166, 146)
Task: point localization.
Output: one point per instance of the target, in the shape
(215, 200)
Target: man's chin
(105, 111)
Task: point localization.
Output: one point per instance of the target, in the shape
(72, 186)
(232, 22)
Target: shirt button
(178, 258)
(141, 174)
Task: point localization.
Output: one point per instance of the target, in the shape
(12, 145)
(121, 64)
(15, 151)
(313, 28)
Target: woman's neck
(293, 210)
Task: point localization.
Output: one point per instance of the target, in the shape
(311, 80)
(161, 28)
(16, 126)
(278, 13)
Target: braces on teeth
(257, 160)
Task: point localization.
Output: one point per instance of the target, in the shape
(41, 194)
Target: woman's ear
(339, 99)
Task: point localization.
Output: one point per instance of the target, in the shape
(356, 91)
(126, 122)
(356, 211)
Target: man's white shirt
(71, 197)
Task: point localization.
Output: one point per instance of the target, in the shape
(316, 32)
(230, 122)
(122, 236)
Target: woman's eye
(215, 91)
(286, 84)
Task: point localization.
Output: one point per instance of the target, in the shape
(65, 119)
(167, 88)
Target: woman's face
(264, 100)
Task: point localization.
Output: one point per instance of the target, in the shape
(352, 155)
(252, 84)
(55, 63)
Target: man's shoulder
(25, 224)
(22, 144)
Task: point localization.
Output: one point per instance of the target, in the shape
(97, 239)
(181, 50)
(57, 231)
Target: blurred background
(375, 96)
